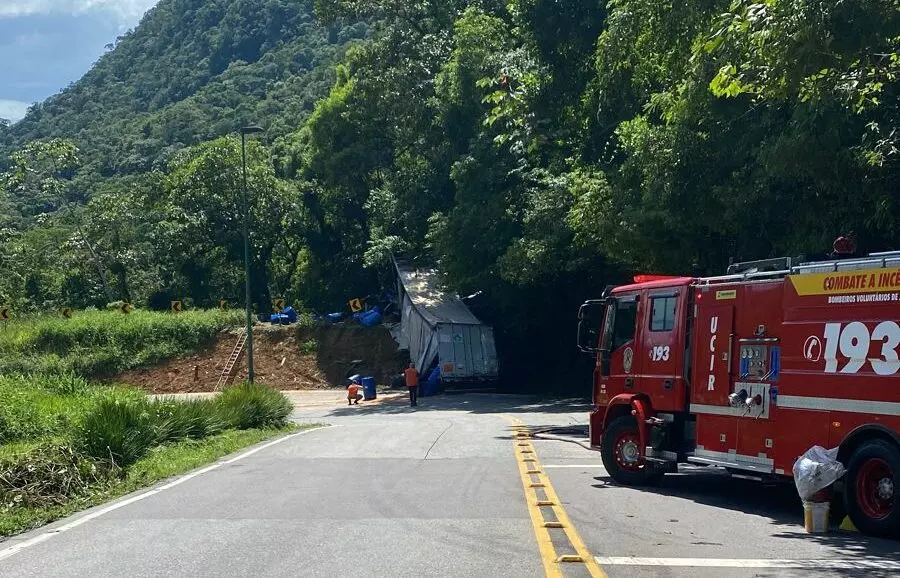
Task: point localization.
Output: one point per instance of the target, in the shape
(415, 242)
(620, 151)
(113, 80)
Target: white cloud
(125, 9)
(13, 110)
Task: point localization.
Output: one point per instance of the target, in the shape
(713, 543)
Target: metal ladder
(229, 370)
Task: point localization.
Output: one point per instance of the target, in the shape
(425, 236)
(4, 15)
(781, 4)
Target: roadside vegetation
(578, 142)
(309, 347)
(102, 343)
(66, 444)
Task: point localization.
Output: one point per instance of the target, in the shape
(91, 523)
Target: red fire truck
(749, 370)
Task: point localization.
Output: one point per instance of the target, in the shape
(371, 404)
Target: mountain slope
(191, 71)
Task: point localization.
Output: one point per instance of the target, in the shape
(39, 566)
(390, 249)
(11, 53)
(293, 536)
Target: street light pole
(247, 304)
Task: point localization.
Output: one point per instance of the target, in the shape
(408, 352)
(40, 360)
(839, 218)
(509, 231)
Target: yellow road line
(541, 534)
(569, 528)
(526, 457)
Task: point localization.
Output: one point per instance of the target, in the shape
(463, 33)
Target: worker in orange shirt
(412, 383)
(353, 395)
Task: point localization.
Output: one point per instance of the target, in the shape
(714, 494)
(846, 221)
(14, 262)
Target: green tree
(52, 224)
(201, 210)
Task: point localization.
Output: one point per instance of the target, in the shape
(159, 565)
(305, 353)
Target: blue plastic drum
(369, 389)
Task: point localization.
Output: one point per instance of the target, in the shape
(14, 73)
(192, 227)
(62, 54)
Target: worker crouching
(353, 395)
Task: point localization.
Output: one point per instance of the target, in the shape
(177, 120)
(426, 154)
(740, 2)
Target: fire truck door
(663, 347)
(711, 380)
(620, 338)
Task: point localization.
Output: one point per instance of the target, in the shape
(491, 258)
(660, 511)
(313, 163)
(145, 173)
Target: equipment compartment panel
(754, 361)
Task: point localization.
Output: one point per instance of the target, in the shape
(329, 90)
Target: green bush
(46, 475)
(119, 431)
(309, 347)
(252, 406)
(182, 420)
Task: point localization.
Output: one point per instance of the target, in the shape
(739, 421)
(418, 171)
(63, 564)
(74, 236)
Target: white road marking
(825, 564)
(16, 548)
(599, 466)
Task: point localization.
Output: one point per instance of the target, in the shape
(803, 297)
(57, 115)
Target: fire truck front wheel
(620, 451)
(871, 488)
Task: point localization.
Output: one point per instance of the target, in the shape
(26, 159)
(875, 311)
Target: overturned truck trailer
(440, 331)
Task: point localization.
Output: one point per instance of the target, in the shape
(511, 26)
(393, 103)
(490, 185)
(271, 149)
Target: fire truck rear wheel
(870, 491)
(620, 451)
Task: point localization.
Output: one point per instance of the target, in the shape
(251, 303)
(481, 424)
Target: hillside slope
(286, 358)
(191, 71)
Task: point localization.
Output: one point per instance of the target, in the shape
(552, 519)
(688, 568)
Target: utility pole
(248, 305)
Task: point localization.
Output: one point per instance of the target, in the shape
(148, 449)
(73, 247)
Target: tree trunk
(259, 281)
(98, 263)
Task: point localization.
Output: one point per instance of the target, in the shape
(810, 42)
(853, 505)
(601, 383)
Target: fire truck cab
(749, 370)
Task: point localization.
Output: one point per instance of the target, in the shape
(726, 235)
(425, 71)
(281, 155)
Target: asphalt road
(440, 491)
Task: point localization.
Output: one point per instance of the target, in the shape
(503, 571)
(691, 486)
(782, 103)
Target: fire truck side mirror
(590, 321)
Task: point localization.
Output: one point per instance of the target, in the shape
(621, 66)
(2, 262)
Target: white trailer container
(438, 329)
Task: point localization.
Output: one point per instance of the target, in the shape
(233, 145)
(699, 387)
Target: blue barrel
(369, 392)
(371, 319)
(430, 386)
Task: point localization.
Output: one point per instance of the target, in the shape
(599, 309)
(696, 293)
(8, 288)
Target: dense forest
(534, 150)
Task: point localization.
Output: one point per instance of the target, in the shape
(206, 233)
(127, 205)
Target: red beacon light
(648, 278)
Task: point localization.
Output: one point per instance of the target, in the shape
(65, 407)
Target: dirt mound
(286, 358)
(346, 349)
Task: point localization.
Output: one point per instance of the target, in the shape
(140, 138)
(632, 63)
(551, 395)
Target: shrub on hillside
(118, 431)
(309, 347)
(250, 406)
(46, 475)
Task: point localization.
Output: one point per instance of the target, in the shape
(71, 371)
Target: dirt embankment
(345, 350)
(286, 358)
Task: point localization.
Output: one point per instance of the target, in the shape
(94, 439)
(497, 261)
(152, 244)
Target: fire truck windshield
(619, 323)
(624, 324)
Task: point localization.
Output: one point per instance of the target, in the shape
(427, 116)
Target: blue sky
(47, 44)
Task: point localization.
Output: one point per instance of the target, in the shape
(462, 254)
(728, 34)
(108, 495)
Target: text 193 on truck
(749, 370)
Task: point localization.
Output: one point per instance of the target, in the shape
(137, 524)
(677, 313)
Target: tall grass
(122, 431)
(118, 431)
(61, 437)
(102, 343)
(178, 420)
(37, 407)
(253, 406)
